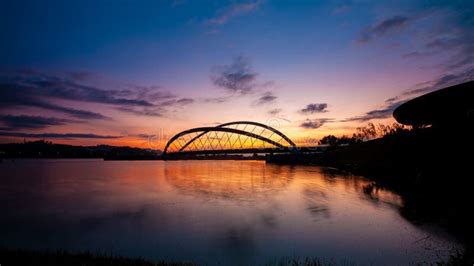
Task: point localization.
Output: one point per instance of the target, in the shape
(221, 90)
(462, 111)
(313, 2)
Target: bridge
(239, 137)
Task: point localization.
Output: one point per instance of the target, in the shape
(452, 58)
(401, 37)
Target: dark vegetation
(46, 149)
(365, 133)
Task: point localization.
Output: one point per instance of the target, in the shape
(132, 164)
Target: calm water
(240, 212)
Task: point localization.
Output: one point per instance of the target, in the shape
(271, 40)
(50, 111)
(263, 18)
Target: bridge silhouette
(239, 137)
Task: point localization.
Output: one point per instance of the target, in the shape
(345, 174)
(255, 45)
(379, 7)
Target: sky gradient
(118, 72)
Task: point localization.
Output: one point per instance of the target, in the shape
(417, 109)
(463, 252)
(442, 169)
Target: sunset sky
(117, 72)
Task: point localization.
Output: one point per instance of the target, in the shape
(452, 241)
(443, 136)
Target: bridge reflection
(241, 181)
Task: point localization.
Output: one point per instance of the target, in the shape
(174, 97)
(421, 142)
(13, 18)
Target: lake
(227, 212)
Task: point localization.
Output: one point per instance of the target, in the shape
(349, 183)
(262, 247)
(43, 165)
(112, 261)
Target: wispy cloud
(14, 94)
(275, 111)
(34, 89)
(82, 75)
(15, 122)
(315, 123)
(234, 10)
(157, 112)
(58, 135)
(380, 113)
(450, 33)
(216, 99)
(314, 108)
(384, 27)
(443, 81)
(392, 103)
(266, 98)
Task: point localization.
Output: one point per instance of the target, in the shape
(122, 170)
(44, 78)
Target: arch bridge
(239, 137)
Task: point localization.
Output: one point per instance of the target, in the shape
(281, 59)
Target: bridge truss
(233, 137)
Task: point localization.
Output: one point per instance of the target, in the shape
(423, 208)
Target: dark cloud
(265, 98)
(275, 111)
(315, 123)
(417, 54)
(57, 135)
(461, 47)
(12, 95)
(15, 122)
(54, 87)
(442, 82)
(234, 10)
(384, 27)
(157, 112)
(450, 33)
(314, 108)
(381, 113)
(82, 75)
(393, 99)
(154, 94)
(71, 111)
(142, 136)
(32, 88)
(176, 102)
(237, 77)
(185, 101)
(421, 88)
(216, 99)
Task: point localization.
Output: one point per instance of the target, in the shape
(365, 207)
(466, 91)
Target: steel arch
(223, 128)
(245, 123)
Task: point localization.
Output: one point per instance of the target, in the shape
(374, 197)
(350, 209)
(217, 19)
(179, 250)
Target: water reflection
(228, 212)
(240, 180)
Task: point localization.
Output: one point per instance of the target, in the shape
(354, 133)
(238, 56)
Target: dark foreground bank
(56, 258)
(61, 258)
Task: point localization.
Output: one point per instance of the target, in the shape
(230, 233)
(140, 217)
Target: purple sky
(89, 72)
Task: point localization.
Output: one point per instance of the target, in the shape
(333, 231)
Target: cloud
(450, 33)
(392, 103)
(314, 108)
(237, 77)
(380, 113)
(389, 25)
(57, 135)
(315, 123)
(275, 111)
(153, 94)
(393, 99)
(177, 102)
(185, 101)
(82, 75)
(216, 99)
(13, 95)
(157, 112)
(441, 82)
(31, 88)
(417, 54)
(234, 10)
(14, 122)
(266, 98)
(35, 89)
(54, 87)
